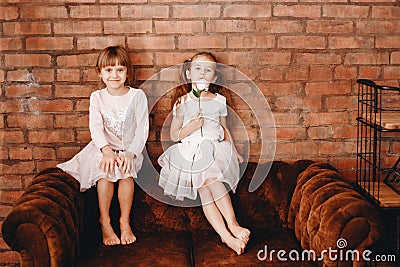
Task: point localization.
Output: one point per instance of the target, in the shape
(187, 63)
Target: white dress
(118, 121)
(185, 166)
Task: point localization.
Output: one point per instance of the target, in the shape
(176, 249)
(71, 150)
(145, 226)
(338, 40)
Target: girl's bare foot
(235, 244)
(127, 236)
(109, 236)
(240, 232)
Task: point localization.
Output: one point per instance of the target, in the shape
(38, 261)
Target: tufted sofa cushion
(326, 208)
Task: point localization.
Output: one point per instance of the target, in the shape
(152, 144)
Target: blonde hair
(113, 55)
(185, 85)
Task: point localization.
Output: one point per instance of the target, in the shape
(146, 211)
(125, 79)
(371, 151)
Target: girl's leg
(125, 196)
(105, 192)
(224, 204)
(216, 220)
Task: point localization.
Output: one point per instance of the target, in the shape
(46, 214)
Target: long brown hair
(112, 55)
(185, 85)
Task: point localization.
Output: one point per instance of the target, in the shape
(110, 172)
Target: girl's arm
(142, 123)
(96, 126)
(228, 137)
(178, 132)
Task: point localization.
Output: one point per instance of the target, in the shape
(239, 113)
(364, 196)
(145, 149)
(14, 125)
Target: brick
(196, 11)
(85, 43)
(318, 58)
(43, 12)
(137, 26)
(50, 105)
(94, 11)
(327, 147)
(11, 137)
(296, 73)
(340, 102)
(82, 105)
(222, 26)
(67, 152)
(51, 136)
(30, 121)
(251, 41)
(313, 103)
(25, 60)
(247, 11)
(387, 12)
(7, 44)
(21, 153)
(78, 27)
(49, 43)
(350, 42)
(345, 11)
(145, 11)
(1, 76)
(10, 182)
(306, 149)
(391, 72)
(304, 42)
(72, 121)
(67, 91)
(328, 26)
(281, 26)
(325, 118)
(21, 167)
(286, 118)
(182, 27)
(42, 165)
(272, 73)
(18, 75)
(328, 88)
(395, 58)
(344, 72)
(370, 72)
(321, 73)
(68, 75)
(77, 60)
(201, 42)
(43, 75)
(382, 26)
(319, 133)
(171, 58)
(387, 42)
(9, 106)
(275, 58)
(41, 153)
(90, 75)
(143, 74)
(142, 58)
(8, 12)
(297, 11)
(346, 131)
(27, 28)
(366, 58)
(290, 133)
(83, 136)
(28, 90)
(127, 1)
(280, 88)
(151, 42)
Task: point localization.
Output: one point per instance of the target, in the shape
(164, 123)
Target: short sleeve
(223, 110)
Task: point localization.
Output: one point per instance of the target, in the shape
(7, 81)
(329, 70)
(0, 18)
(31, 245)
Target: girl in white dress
(205, 157)
(118, 123)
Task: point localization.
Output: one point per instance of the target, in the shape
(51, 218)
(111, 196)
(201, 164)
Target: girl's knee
(210, 181)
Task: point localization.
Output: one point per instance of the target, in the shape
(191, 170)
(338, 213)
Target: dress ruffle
(186, 166)
(85, 167)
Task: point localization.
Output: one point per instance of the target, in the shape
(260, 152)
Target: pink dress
(203, 154)
(119, 121)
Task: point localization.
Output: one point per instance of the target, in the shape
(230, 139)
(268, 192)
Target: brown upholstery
(53, 224)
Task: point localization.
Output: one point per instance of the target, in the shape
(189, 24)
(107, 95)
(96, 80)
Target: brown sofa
(300, 207)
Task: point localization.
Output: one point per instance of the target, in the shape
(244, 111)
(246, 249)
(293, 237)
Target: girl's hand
(196, 122)
(240, 158)
(125, 162)
(107, 163)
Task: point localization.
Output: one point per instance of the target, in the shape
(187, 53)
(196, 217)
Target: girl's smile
(114, 78)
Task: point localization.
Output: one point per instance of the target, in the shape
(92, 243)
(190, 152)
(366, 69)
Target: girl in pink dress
(205, 158)
(118, 123)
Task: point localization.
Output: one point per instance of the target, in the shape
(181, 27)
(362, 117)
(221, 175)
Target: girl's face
(202, 71)
(114, 76)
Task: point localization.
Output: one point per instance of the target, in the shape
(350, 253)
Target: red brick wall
(304, 55)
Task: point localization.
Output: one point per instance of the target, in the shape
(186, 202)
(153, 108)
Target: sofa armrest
(325, 208)
(46, 222)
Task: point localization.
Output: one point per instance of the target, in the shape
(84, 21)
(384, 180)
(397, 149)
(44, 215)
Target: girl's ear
(188, 74)
(214, 79)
